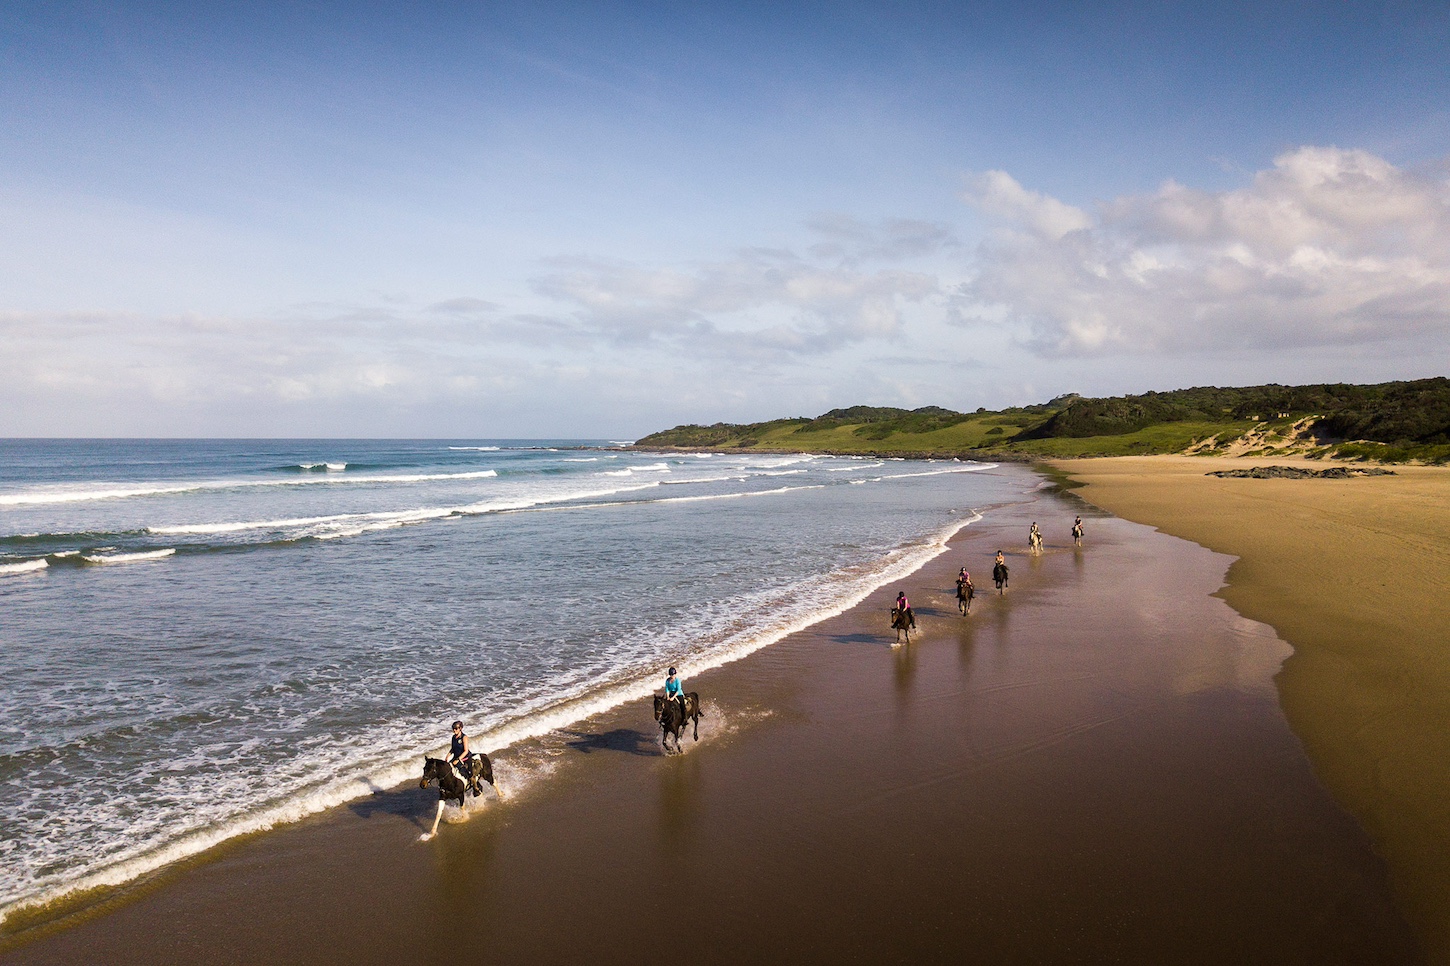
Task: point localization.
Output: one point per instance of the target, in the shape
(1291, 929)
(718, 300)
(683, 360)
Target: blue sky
(600, 220)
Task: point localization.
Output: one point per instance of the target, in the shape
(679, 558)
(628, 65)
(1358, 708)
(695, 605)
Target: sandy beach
(1092, 768)
(1355, 575)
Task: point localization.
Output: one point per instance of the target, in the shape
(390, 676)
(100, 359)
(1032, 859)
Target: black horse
(672, 719)
(903, 622)
(999, 577)
(965, 593)
(451, 787)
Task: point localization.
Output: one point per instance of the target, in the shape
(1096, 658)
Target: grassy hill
(1390, 422)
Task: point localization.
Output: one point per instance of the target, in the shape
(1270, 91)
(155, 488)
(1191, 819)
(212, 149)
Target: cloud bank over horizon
(1328, 248)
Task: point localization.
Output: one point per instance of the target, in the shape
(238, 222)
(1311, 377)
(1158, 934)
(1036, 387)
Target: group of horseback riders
(902, 619)
(678, 707)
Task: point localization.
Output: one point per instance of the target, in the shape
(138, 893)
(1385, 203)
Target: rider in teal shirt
(675, 689)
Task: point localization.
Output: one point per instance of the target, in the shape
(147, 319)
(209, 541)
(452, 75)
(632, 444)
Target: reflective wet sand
(1355, 574)
(1093, 768)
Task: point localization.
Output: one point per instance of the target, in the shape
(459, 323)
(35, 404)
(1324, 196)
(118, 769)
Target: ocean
(205, 638)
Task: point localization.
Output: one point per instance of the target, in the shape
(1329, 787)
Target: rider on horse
(675, 690)
(458, 754)
(903, 607)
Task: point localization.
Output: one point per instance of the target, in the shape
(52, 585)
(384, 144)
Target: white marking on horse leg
(437, 817)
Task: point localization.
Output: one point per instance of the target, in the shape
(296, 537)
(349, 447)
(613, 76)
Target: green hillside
(1391, 422)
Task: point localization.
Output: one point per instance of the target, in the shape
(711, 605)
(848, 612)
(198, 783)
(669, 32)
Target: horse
(672, 719)
(450, 786)
(1034, 539)
(965, 593)
(903, 622)
(1077, 534)
(999, 577)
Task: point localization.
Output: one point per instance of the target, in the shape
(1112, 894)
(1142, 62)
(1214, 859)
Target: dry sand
(1355, 575)
(1093, 768)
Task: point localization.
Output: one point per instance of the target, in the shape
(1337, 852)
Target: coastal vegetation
(1393, 422)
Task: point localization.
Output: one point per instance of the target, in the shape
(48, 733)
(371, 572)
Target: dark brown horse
(903, 622)
(999, 577)
(672, 718)
(965, 593)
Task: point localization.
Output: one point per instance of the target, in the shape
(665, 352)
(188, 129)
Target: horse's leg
(436, 819)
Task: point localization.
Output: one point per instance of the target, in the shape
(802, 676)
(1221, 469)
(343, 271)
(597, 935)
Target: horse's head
(659, 707)
(430, 771)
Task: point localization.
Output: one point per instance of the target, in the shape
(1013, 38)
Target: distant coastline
(1395, 422)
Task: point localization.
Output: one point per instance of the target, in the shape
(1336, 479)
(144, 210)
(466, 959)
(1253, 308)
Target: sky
(599, 220)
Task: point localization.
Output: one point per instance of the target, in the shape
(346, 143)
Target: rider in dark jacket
(458, 754)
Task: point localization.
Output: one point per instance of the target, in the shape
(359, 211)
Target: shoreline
(103, 887)
(1355, 576)
(1014, 780)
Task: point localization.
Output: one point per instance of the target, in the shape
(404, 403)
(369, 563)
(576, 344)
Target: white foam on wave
(22, 567)
(737, 496)
(76, 496)
(339, 525)
(824, 598)
(853, 469)
(580, 459)
(728, 478)
(975, 468)
(476, 449)
(777, 462)
(80, 496)
(329, 467)
(115, 558)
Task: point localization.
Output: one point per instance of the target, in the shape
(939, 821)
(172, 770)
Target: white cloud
(762, 301)
(1328, 247)
(998, 194)
(850, 240)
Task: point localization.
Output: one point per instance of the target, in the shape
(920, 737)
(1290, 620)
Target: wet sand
(1093, 768)
(1355, 574)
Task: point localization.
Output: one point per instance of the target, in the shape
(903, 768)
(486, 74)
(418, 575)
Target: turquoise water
(208, 637)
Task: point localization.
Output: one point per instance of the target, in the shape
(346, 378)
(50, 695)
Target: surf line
(529, 722)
